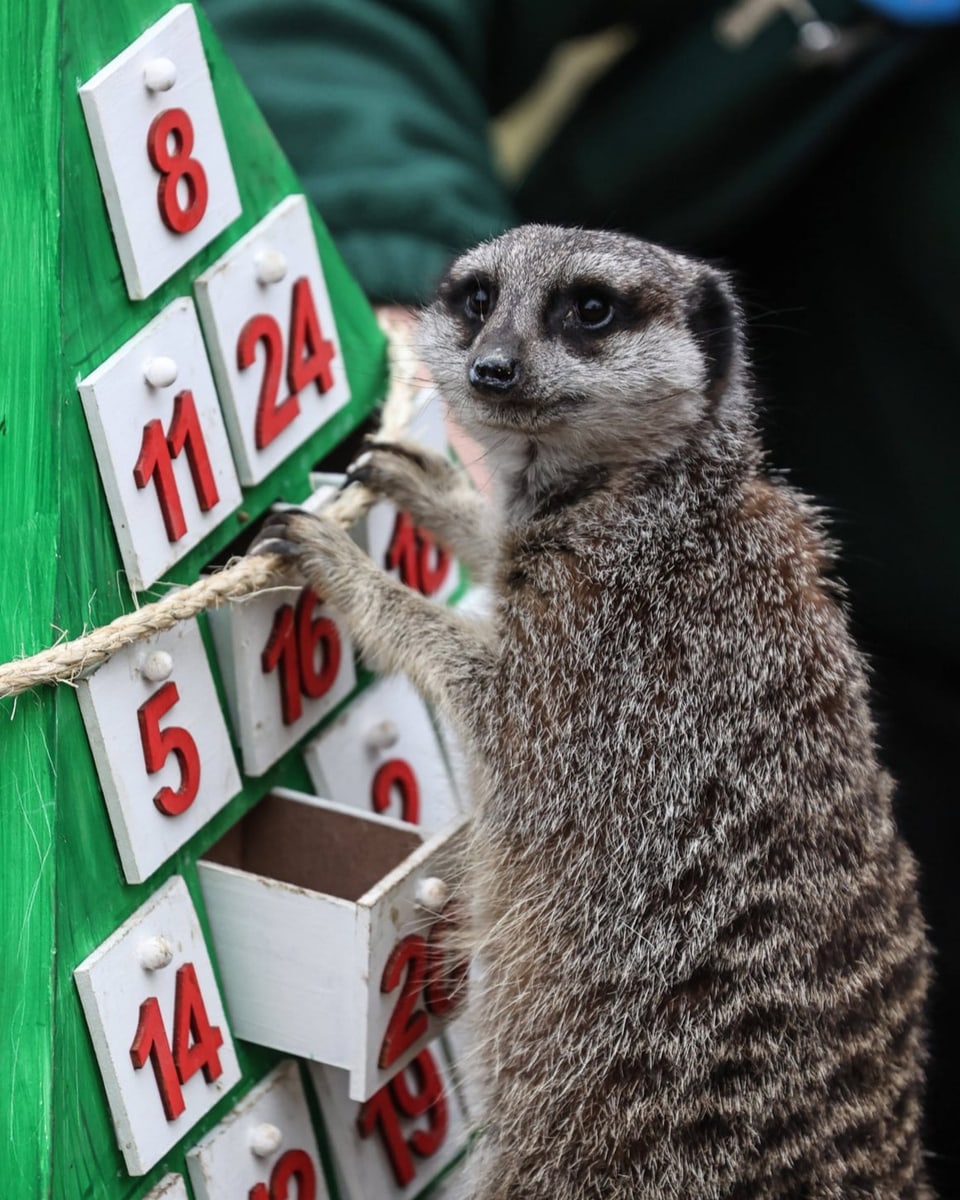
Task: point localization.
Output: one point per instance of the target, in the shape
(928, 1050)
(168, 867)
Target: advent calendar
(229, 851)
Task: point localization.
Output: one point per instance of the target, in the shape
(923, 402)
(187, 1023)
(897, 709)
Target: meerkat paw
(319, 549)
(410, 475)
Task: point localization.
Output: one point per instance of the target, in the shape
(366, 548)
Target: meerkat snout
(495, 370)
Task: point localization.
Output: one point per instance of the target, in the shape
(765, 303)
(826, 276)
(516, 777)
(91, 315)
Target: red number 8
(175, 123)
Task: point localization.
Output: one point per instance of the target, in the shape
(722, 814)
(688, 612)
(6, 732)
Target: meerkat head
(584, 347)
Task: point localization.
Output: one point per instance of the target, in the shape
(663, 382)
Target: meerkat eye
(478, 301)
(593, 310)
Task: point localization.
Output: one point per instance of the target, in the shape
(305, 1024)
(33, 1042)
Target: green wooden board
(64, 310)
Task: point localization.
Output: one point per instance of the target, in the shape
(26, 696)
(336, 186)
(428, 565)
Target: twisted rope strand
(67, 661)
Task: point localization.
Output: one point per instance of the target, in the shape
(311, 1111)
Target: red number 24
(308, 361)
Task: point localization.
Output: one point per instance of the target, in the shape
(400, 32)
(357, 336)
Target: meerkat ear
(713, 319)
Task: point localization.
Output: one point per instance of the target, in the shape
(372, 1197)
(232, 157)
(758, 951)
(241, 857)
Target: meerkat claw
(276, 536)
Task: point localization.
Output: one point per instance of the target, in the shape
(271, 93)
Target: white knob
(265, 1139)
(382, 736)
(155, 953)
(271, 266)
(817, 36)
(160, 371)
(432, 893)
(156, 665)
(160, 74)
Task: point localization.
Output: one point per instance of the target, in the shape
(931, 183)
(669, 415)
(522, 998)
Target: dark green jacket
(833, 190)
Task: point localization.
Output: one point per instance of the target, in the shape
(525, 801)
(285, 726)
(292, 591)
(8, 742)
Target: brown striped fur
(704, 966)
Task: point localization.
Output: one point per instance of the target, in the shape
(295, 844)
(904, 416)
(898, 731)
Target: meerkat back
(704, 963)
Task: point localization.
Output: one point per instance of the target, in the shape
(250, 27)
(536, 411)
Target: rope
(67, 661)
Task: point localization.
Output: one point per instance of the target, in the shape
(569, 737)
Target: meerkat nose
(495, 371)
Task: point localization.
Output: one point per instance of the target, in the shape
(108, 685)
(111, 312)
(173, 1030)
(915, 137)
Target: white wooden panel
(389, 536)
(303, 967)
(381, 1150)
(287, 960)
(400, 936)
(252, 303)
(155, 705)
(265, 1145)
(163, 72)
(286, 662)
(136, 989)
(131, 420)
(382, 755)
(170, 1187)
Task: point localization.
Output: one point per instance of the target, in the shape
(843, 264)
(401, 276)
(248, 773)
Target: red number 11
(157, 452)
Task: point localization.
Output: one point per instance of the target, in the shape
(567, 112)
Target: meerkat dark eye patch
(712, 320)
(471, 297)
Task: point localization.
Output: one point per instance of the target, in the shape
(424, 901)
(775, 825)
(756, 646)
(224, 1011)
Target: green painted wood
(64, 309)
(29, 503)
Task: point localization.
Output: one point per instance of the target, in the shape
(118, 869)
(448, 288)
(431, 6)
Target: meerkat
(704, 964)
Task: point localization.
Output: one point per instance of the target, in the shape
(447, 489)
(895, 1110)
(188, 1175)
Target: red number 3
(175, 165)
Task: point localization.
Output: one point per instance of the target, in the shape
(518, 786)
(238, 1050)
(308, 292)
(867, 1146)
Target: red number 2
(395, 773)
(195, 1042)
(157, 452)
(176, 165)
(294, 1164)
(159, 743)
(307, 362)
(395, 1100)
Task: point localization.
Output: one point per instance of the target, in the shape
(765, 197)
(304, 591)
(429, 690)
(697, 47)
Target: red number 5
(159, 743)
(176, 165)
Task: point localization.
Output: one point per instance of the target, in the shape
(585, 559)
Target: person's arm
(379, 107)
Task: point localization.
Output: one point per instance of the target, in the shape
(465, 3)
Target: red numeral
(395, 773)
(151, 1042)
(294, 1164)
(446, 977)
(272, 418)
(428, 976)
(195, 1042)
(384, 1109)
(308, 362)
(156, 462)
(175, 165)
(159, 743)
(407, 1023)
(310, 352)
(306, 649)
(422, 563)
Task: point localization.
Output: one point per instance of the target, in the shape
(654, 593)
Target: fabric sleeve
(378, 104)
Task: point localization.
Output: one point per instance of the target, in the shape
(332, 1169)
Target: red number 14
(195, 1042)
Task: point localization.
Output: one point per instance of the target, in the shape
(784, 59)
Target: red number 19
(385, 1108)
